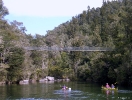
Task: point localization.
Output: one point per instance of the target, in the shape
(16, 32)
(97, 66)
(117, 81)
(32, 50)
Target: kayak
(104, 88)
(66, 89)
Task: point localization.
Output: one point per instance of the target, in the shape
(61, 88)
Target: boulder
(49, 78)
(24, 82)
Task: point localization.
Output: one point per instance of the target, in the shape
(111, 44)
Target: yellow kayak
(104, 88)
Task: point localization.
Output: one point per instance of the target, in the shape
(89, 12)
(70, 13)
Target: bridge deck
(69, 48)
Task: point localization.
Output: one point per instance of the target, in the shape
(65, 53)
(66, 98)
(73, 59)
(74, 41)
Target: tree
(3, 10)
(15, 60)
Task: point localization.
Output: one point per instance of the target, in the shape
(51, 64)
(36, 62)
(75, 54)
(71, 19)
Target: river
(52, 91)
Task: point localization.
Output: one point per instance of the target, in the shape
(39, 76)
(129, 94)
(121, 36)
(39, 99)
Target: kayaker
(107, 85)
(64, 87)
(112, 86)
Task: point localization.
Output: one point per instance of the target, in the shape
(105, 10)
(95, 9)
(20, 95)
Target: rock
(24, 82)
(50, 78)
(2, 83)
(43, 80)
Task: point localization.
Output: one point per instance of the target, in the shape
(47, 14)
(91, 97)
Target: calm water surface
(52, 91)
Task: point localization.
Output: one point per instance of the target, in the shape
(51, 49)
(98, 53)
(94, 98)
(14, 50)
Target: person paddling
(107, 85)
(112, 86)
(64, 87)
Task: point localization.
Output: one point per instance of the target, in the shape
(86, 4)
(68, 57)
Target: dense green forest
(107, 26)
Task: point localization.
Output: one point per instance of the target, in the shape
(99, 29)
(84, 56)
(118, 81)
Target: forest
(107, 26)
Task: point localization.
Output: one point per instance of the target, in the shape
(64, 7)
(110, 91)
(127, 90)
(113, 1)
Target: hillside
(108, 26)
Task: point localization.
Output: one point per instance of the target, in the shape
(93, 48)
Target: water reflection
(110, 92)
(48, 82)
(120, 94)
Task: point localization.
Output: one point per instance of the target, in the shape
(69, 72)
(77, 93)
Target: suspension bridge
(85, 48)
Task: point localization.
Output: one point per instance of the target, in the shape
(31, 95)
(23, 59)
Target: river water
(52, 91)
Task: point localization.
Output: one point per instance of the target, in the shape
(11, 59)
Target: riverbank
(27, 81)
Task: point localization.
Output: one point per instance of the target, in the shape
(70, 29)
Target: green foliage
(84, 73)
(15, 60)
(37, 58)
(64, 63)
(112, 75)
(55, 71)
(68, 73)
